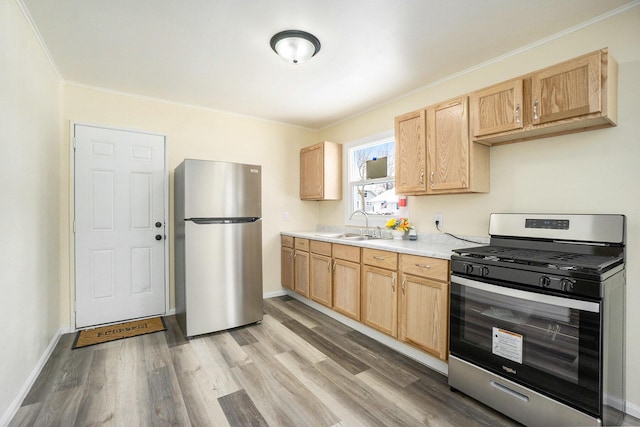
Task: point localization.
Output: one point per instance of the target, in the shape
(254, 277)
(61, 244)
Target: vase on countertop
(397, 234)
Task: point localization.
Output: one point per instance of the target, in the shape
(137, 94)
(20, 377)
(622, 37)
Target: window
(373, 190)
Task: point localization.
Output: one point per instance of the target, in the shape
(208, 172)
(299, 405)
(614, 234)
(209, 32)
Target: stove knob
(484, 272)
(468, 268)
(544, 281)
(567, 285)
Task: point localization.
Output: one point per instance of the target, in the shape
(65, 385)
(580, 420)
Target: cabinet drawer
(433, 268)
(318, 247)
(382, 259)
(346, 252)
(286, 241)
(302, 244)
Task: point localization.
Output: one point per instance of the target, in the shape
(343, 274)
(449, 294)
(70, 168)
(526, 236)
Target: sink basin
(347, 236)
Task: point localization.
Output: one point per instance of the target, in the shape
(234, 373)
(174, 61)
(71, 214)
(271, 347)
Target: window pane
(377, 199)
(358, 167)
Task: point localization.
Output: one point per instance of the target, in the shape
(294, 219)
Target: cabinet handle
(432, 175)
(518, 113)
(422, 178)
(403, 282)
(329, 266)
(535, 109)
(393, 283)
(423, 266)
(379, 258)
(334, 266)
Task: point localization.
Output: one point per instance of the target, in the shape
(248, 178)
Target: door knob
(158, 224)
(158, 237)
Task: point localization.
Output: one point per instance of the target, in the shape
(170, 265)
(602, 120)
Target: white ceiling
(216, 54)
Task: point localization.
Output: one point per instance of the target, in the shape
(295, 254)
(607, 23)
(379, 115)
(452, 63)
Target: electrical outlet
(438, 220)
(285, 216)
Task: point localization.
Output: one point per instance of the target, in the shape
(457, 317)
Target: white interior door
(119, 225)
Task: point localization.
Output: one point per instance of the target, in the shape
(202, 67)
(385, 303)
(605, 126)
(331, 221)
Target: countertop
(431, 245)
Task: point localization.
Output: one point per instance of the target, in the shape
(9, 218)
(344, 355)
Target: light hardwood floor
(296, 368)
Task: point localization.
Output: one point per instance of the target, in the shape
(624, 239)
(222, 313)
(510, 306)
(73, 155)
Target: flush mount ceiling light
(295, 46)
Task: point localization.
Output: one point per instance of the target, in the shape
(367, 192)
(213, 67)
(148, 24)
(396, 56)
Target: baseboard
(632, 409)
(31, 379)
(274, 294)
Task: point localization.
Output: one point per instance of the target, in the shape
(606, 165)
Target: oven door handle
(592, 307)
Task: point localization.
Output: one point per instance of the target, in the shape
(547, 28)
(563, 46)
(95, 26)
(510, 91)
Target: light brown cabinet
(573, 96)
(301, 266)
(434, 154)
(346, 280)
(286, 262)
(424, 304)
(379, 290)
(321, 172)
(320, 272)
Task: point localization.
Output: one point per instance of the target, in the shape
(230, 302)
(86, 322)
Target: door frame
(72, 214)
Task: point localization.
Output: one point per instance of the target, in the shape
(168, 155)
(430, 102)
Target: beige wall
(204, 134)
(30, 125)
(592, 172)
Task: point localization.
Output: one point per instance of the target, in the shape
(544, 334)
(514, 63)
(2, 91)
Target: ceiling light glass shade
(295, 47)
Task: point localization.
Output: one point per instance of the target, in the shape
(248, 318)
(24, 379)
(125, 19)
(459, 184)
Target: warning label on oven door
(507, 344)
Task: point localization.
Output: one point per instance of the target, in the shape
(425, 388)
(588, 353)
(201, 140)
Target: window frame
(359, 220)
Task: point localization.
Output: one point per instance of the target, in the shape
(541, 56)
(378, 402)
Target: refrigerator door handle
(222, 220)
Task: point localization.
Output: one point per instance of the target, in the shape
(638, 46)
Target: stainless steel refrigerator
(218, 245)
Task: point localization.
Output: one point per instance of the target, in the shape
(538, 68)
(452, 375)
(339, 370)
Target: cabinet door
(424, 307)
(301, 282)
(346, 288)
(497, 108)
(286, 267)
(448, 145)
(320, 279)
(411, 154)
(380, 308)
(312, 172)
(567, 90)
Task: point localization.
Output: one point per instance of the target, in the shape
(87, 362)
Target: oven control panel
(551, 224)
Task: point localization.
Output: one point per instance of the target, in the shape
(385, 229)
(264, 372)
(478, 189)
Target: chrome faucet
(366, 220)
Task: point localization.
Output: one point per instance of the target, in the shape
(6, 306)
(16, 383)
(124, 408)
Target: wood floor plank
(242, 335)
(240, 410)
(201, 400)
(310, 313)
(393, 371)
(220, 380)
(331, 350)
(26, 415)
(98, 404)
(174, 335)
(307, 375)
(273, 379)
(60, 408)
(165, 398)
(292, 312)
(132, 388)
(272, 331)
(229, 349)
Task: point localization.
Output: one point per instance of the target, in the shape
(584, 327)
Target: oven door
(544, 342)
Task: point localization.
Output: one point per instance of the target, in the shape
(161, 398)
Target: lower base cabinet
(424, 313)
(405, 296)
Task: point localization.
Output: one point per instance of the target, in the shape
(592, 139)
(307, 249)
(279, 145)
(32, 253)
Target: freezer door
(221, 190)
(223, 276)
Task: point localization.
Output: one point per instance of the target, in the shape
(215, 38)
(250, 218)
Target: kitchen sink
(348, 236)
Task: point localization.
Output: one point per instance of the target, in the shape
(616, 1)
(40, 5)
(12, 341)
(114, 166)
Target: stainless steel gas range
(537, 319)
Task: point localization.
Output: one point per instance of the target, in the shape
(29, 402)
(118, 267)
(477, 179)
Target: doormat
(104, 334)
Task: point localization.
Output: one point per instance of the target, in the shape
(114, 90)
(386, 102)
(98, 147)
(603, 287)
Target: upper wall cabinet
(434, 154)
(573, 96)
(321, 172)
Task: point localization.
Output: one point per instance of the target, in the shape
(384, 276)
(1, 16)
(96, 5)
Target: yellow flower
(398, 224)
